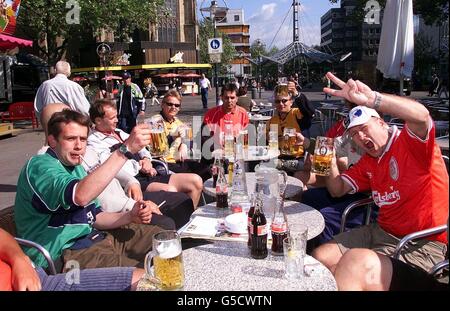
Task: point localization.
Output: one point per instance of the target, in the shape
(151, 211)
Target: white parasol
(396, 50)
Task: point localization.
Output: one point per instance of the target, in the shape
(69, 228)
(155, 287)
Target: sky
(265, 18)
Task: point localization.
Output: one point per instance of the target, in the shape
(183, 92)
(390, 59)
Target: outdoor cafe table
(294, 185)
(227, 265)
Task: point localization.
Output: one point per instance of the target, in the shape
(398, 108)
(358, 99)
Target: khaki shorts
(122, 247)
(421, 253)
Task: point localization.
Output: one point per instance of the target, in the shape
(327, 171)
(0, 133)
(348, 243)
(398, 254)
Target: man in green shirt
(56, 201)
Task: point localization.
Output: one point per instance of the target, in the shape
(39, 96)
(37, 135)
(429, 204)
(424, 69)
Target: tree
(435, 11)
(206, 31)
(55, 21)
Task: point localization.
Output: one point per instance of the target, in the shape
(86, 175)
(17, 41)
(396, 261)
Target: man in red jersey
(404, 170)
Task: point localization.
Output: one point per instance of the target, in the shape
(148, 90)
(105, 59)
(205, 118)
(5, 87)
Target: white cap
(360, 115)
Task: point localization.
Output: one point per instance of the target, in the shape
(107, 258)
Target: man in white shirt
(61, 90)
(205, 85)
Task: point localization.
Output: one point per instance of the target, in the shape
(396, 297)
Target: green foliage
(206, 31)
(42, 19)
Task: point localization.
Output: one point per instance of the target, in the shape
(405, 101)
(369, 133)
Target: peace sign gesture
(353, 91)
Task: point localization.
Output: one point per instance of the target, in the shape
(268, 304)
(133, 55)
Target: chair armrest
(438, 267)
(161, 163)
(417, 235)
(42, 250)
(368, 202)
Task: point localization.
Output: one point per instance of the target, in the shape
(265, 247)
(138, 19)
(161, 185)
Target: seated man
(176, 209)
(216, 119)
(177, 159)
(55, 204)
(19, 274)
(364, 269)
(106, 137)
(404, 171)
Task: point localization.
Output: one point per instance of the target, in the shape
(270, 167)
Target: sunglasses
(173, 105)
(284, 101)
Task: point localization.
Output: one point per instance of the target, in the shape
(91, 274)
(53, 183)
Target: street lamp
(259, 46)
(216, 14)
(241, 55)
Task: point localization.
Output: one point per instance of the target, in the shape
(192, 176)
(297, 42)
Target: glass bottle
(239, 193)
(229, 141)
(217, 165)
(221, 190)
(278, 228)
(259, 231)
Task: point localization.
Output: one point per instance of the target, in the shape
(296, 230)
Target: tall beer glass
(167, 260)
(323, 153)
(159, 146)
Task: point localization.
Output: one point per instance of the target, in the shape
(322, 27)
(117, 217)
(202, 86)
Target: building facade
(340, 35)
(176, 32)
(234, 26)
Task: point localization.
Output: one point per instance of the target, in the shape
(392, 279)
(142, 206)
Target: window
(236, 18)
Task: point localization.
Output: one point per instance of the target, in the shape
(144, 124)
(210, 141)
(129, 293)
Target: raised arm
(416, 116)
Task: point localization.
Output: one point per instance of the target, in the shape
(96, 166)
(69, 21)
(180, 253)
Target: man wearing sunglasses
(176, 131)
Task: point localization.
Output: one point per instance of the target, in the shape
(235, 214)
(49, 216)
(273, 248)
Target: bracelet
(377, 101)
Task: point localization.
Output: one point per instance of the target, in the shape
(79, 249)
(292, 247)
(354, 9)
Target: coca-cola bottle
(251, 211)
(221, 190)
(258, 231)
(278, 228)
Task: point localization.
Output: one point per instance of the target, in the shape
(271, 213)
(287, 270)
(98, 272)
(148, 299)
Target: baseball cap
(360, 115)
(126, 75)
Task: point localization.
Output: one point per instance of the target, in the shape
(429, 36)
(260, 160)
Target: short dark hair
(229, 87)
(66, 116)
(97, 108)
(242, 91)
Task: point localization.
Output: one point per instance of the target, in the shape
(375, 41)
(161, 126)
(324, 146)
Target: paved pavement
(16, 150)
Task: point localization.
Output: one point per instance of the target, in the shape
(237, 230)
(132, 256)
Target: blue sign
(215, 44)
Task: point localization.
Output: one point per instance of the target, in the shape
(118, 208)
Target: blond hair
(282, 90)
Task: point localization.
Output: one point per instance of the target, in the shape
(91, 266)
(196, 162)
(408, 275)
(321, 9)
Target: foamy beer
(167, 260)
(323, 153)
(159, 146)
(295, 149)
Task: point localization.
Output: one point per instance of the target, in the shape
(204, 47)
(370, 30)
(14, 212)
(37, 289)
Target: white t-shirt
(204, 83)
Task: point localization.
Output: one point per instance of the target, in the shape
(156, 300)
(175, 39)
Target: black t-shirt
(125, 104)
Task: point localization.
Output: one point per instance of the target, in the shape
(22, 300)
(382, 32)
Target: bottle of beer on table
(221, 190)
(278, 228)
(251, 211)
(258, 231)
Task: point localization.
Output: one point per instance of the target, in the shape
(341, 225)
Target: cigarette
(162, 203)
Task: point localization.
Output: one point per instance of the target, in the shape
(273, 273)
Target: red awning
(9, 42)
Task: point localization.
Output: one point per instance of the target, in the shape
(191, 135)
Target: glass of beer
(159, 145)
(288, 140)
(167, 260)
(323, 153)
(243, 139)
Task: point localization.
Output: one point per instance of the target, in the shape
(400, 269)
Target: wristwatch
(123, 149)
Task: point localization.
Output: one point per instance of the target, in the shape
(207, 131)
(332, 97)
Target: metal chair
(367, 203)
(320, 119)
(7, 223)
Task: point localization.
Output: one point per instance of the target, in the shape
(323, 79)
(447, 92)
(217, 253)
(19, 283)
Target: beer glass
(323, 154)
(159, 146)
(167, 260)
(243, 139)
(288, 138)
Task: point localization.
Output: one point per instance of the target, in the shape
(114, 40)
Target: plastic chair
(21, 111)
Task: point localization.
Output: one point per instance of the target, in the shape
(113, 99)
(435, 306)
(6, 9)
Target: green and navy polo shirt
(45, 211)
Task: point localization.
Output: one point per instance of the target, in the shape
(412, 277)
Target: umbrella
(112, 78)
(167, 75)
(190, 75)
(396, 50)
(79, 79)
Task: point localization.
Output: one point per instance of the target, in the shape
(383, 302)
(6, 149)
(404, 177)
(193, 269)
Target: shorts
(407, 278)
(146, 180)
(421, 253)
